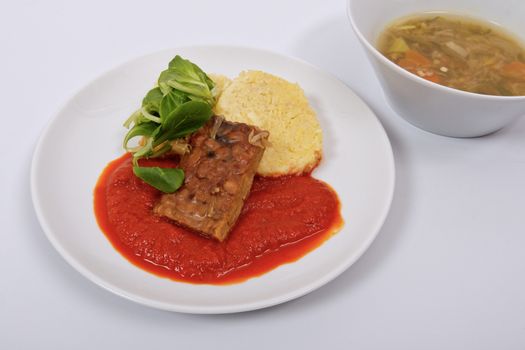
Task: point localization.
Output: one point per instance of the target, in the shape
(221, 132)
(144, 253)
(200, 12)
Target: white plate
(87, 133)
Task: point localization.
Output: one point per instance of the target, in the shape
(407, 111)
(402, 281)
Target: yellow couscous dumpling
(280, 107)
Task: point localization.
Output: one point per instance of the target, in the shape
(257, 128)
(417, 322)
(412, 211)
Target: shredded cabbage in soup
(457, 52)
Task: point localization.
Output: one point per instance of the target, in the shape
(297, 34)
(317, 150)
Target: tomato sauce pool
(283, 219)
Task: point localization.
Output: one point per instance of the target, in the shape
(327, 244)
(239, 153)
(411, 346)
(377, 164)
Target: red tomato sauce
(283, 219)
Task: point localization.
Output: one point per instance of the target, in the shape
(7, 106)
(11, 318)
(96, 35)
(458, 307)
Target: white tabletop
(447, 270)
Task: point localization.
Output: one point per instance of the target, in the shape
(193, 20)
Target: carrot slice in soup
(418, 64)
(418, 58)
(514, 70)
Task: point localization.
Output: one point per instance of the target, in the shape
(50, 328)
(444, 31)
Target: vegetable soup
(457, 52)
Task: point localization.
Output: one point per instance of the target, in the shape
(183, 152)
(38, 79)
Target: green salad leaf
(152, 100)
(186, 119)
(145, 129)
(167, 180)
(170, 101)
(179, 105)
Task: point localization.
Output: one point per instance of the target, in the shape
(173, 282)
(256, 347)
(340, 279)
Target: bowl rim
(371, 48)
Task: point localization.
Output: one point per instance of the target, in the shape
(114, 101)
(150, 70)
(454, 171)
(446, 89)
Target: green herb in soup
(457, 52)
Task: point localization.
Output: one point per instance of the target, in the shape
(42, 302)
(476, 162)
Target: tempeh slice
(219, 171)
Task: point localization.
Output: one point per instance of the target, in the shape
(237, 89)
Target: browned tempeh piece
(219, 172)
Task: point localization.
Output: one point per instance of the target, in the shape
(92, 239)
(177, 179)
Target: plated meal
(218, 187)
(346, 147)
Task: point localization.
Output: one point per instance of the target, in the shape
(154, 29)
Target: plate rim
(243, 307)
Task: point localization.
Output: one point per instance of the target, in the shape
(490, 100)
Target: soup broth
(457, 52)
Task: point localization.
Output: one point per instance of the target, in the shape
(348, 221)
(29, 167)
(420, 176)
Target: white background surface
(447, 270)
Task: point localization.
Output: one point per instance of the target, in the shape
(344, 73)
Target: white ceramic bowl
(427, 105)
